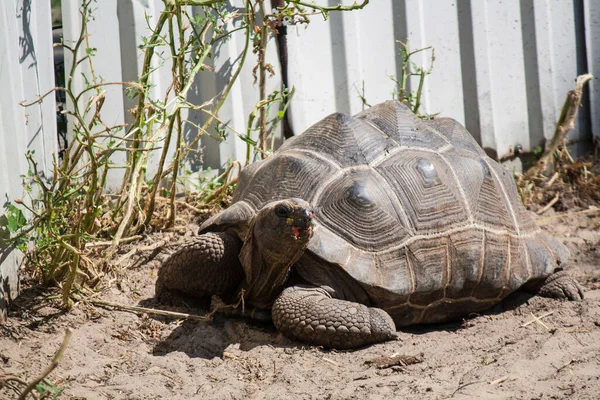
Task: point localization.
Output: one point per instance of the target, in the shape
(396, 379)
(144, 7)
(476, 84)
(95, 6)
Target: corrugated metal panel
(26, 71)
(108, 64)
(243, 96)
(592, 43)
(501, 68)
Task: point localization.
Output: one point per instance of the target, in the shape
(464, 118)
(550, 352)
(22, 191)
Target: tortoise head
(284, 220)
(277, 238)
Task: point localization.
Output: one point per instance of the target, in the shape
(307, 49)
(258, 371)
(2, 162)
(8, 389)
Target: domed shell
(413, 210)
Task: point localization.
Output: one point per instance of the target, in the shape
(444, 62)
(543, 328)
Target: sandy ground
(122, 355)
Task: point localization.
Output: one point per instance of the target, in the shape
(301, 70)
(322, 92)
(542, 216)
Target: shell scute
(426, 189)
(359, 209)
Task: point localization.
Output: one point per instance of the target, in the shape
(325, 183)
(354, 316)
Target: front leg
(205, 265)
(311, 315)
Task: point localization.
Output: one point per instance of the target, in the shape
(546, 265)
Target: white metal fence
(26, 71)
(501, 68)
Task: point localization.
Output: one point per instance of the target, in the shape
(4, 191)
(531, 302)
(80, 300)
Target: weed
(60, 214)
(556, 179)
(409, 69)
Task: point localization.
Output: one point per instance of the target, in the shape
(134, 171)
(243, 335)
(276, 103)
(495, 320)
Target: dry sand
(122, 355)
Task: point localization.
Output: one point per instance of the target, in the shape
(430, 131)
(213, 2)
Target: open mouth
(300, 233)
(302, 224)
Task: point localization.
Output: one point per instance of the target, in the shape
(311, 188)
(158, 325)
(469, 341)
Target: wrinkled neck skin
(267, 257)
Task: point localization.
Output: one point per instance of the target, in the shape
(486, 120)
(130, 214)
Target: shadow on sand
(211, 339)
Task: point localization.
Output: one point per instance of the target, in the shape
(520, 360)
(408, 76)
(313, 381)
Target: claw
(561, 286)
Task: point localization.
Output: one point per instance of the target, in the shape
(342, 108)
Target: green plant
(410, 69)
(71, 208)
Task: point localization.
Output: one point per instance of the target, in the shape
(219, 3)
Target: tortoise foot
(311, 315)
(561, 285)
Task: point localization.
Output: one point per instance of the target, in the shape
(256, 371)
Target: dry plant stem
(218, 194)
(499, 380)
(109, 242)
(133, 190)
(178, 77)
(552, 180)
(153, 311)
(13, 382)
(537, 319)
(264, 32)
(567, 214)
(137, 250)
(57, 357)
(191, 207)
(546, 164)
(330, 361)
(159, 174)
(137, 127)
(325, 10)
(224, 95)
(91, 87)
(549, 205)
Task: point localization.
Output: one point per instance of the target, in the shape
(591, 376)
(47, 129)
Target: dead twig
(14, 383)
(464, 385)
(552, 180)
(330, 361)
(109, 242)
(185, 204)
(394, 360)
(57, 357)
(591, 210)
(547, 162)
(164, 313)
(191, 207)
(565, 365)
(142, 249)
(549, 205)
(499, 380)
(538, 320)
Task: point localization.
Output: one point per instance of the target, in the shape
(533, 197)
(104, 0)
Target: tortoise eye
(283, 211)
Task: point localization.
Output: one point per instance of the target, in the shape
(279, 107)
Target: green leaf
(15, 217)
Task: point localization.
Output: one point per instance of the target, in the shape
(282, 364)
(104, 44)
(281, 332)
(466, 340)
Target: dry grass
(574, 185)
(556, 180)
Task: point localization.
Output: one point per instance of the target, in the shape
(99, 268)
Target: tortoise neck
(267, 270)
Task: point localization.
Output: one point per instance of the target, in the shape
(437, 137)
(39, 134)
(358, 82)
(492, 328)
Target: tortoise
(367, 223)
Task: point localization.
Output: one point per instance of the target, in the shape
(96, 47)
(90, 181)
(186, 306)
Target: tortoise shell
(413, 211)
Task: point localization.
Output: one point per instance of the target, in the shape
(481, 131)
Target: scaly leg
(205, 265)
(310, 314)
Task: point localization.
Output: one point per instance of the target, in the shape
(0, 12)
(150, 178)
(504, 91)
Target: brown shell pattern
(411, 209)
